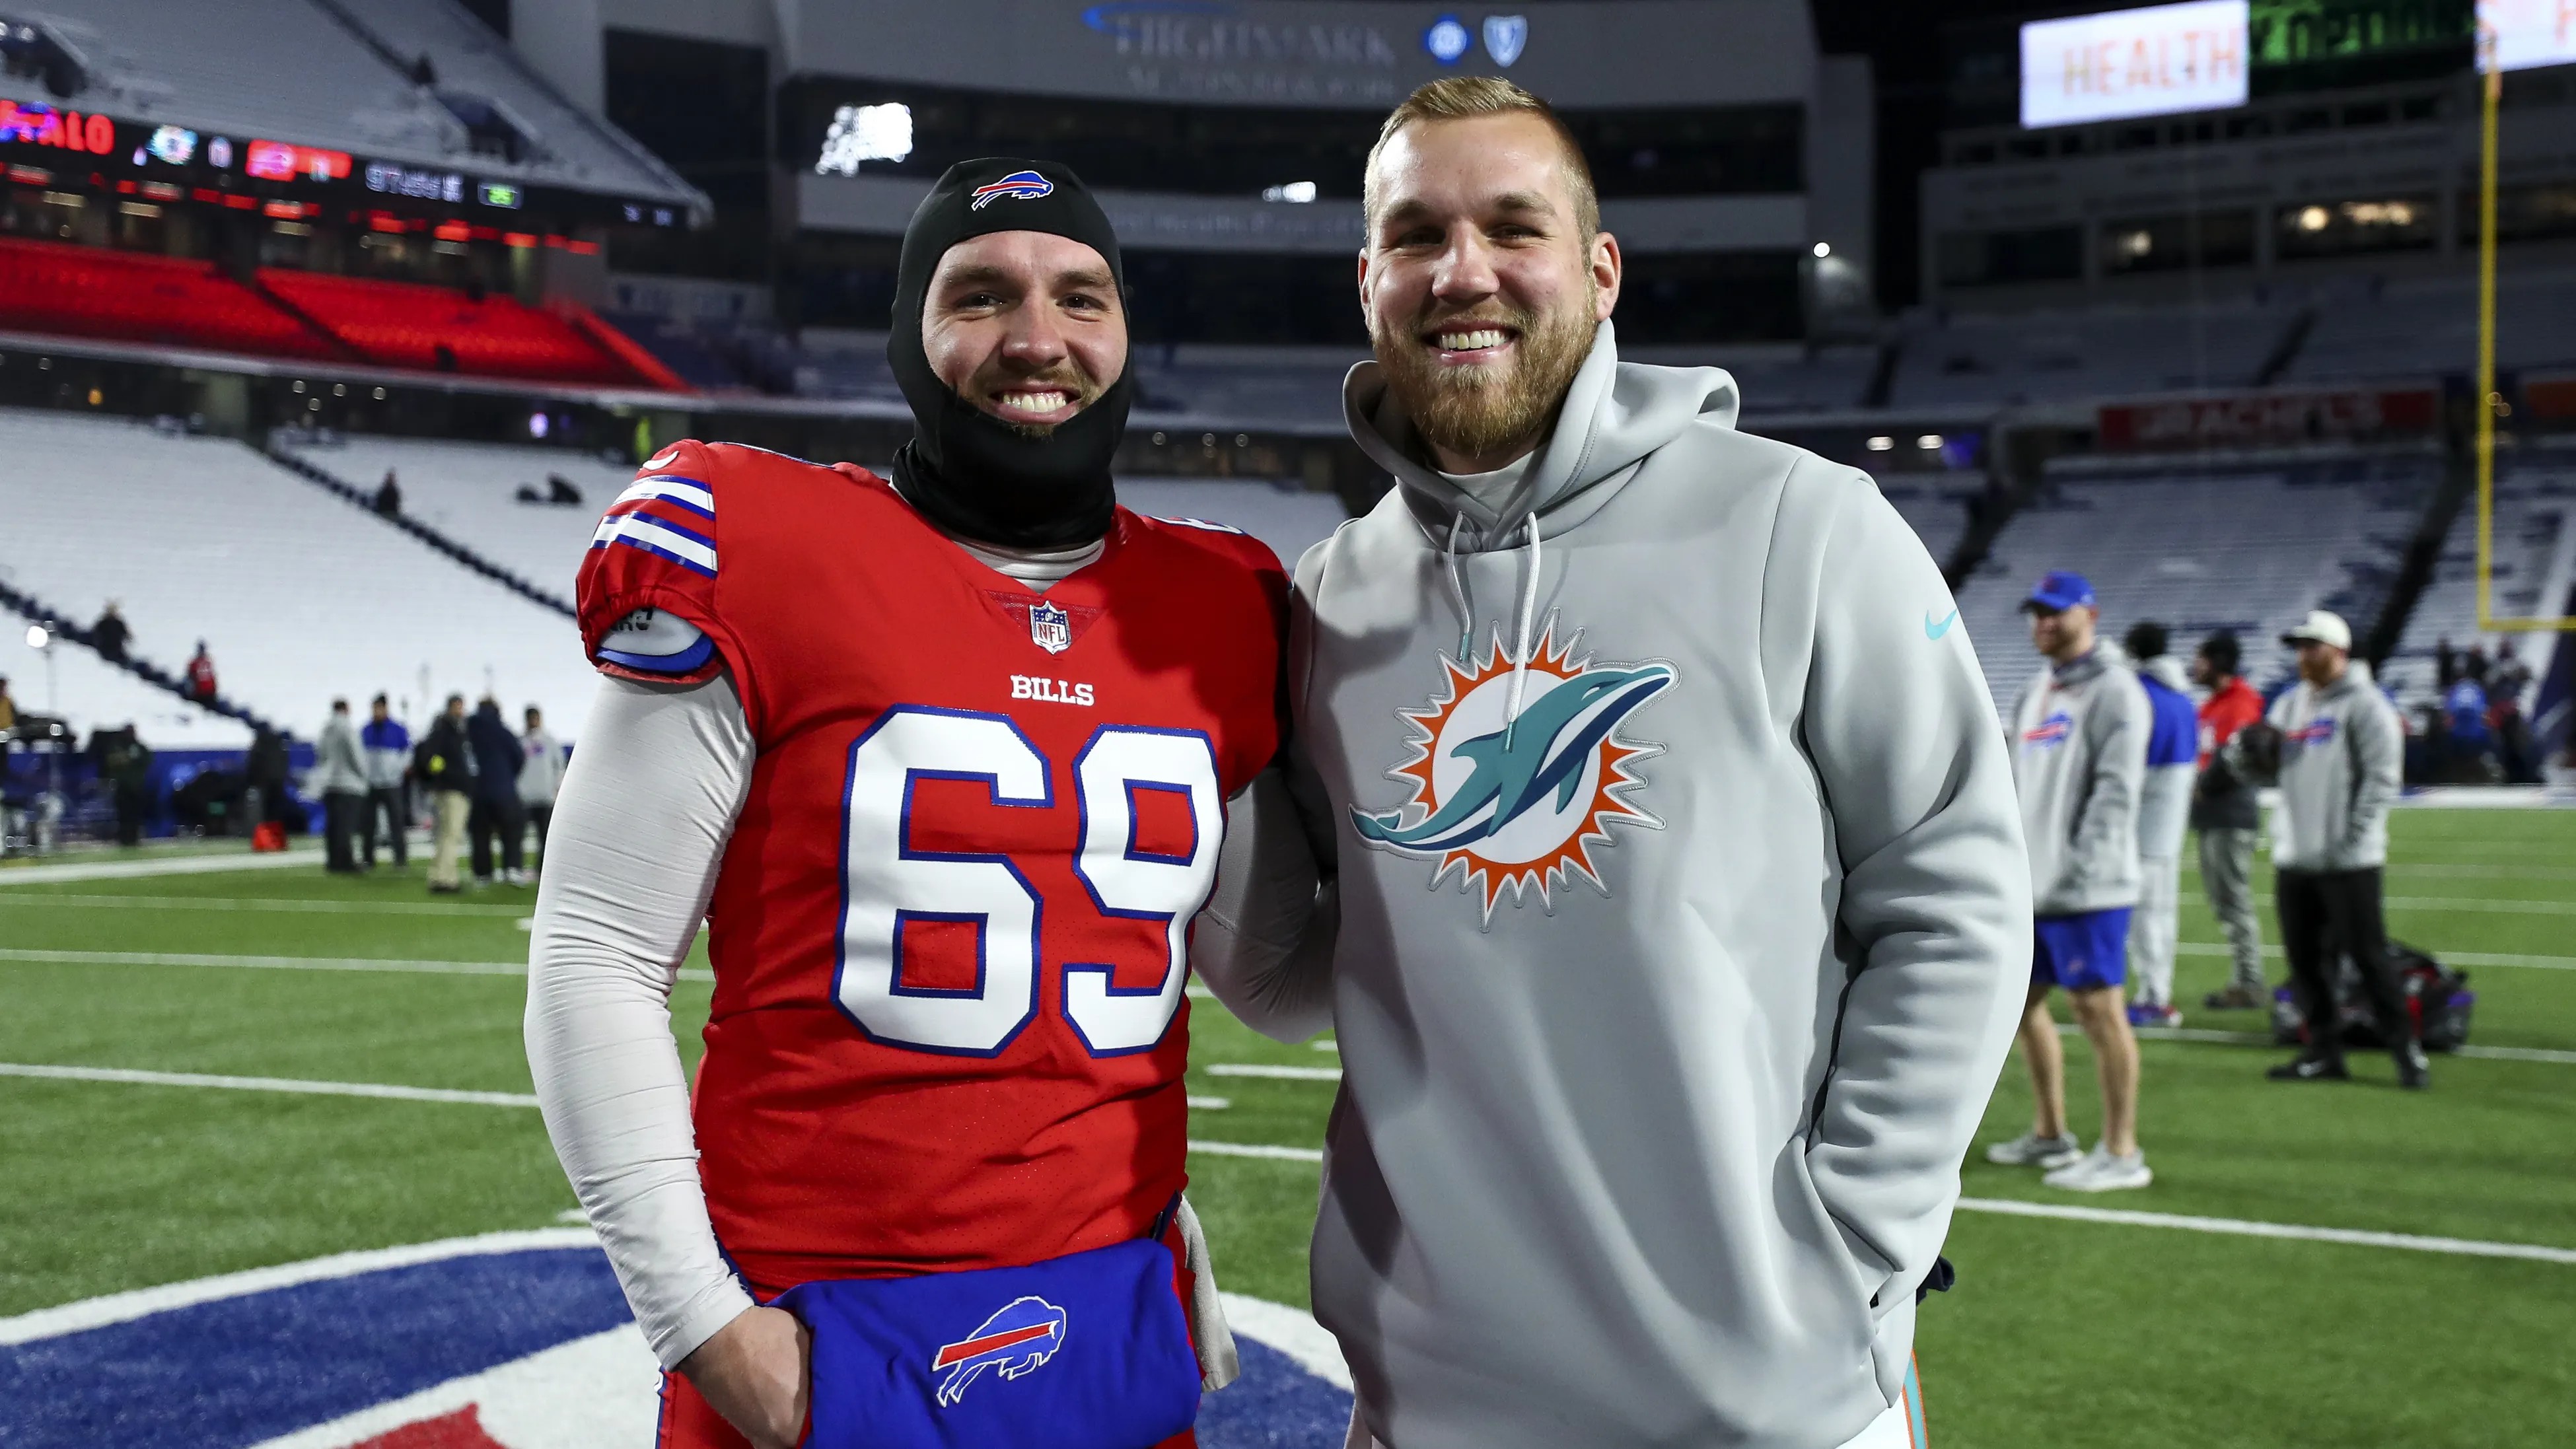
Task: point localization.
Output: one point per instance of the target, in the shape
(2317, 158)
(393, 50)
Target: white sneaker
(2032, 1150)
(2100, 1171)
(515, 877)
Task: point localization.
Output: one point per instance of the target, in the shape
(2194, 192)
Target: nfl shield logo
(1504, 37)
(1050, 628)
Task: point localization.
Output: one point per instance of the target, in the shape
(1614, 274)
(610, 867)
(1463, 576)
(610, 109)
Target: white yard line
(1259, 1149)
(161, 865)
(2455, 958)
(255, 903)
(2481, 907)
(1282, 1074)
(2264, 1039)
(2461, 1247)
(265, 1084)
(1292, 1331)
(291, 963)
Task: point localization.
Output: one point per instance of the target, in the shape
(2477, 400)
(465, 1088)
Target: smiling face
(1026, 326)
(1480, 288)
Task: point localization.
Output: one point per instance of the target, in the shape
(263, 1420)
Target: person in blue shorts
(2079, 740)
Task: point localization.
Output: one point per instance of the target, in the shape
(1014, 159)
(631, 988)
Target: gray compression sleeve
(631, 857)
(1264, 944)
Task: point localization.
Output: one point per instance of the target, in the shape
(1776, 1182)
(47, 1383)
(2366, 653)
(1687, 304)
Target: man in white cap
(2340, 750)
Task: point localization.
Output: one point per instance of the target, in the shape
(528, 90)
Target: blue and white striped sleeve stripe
(627, 524)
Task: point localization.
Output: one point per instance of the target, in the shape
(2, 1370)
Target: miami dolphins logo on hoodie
(1518, 770)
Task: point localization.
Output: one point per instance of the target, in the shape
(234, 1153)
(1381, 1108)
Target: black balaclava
(966, 470)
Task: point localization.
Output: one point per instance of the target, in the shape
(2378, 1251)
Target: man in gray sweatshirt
(1680, 894)
(2079, 739)
(2340, 752)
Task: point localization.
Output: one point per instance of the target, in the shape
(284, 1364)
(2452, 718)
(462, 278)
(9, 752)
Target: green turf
(2060, 1334)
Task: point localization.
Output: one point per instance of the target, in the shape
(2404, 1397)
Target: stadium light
(865, 133)
(1824, 250)
(1928, 442)
(37, 638)
(1298, 192)
(1881, 443)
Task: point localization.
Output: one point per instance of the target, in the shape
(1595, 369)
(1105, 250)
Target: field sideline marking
(2238, 1227)
(265, 1084)
(168, 865)
(293, 963)
(143, 1302)
(259, 903)
(1282, 1074)
(2454, 958)
(2264, 1039)
(1257, 1149)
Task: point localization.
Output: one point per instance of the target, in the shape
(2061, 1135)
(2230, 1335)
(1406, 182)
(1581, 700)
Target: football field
(202, 1074)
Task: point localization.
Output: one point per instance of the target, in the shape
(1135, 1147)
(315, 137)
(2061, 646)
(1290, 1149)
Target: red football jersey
(949, 933)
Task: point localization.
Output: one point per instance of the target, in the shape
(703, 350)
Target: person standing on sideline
(388, 747)
(2164, 815)
(2228, 813)
(339, 776)
(199, 682)
(497, 813)
(2340, 751)
(1646, 1135)
(540, 777)
(8, 708)
(110, 636)
(445, 764)
(2079, 736)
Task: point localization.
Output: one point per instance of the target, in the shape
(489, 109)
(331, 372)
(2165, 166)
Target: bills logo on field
(1050, 628)
(1023, 1335)
(1019, 186)
(1518, 800)
(2051, 731)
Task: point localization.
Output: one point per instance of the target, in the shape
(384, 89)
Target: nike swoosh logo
(1935, 631)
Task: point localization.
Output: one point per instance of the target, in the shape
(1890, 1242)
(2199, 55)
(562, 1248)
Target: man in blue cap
(2079, 738)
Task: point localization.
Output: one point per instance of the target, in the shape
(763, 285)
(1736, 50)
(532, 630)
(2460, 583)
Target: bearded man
(939, 759)
(1653, 1104)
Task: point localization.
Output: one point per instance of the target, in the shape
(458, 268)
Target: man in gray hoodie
(2079, 738)
(1654, 1100)
(2340, 750)
(339, 776)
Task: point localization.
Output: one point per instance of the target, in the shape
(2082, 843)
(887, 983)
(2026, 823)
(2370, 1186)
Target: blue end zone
(239, 1370)
(1275, 1405)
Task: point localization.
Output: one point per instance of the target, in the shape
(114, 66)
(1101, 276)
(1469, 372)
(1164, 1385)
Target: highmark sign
(2150, 62)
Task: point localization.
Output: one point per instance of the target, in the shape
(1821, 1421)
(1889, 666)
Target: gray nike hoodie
(1683, 926)
(2080, 759)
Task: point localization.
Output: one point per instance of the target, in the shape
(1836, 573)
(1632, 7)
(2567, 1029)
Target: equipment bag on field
(2438, 1000)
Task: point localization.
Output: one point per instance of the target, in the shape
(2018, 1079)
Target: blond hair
(1464, 97)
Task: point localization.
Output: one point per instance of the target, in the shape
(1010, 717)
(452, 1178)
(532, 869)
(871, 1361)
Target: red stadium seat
(401, 324)
(133, 297)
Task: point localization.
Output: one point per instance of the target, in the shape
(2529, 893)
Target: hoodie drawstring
(1458, 586)
(1523, 646)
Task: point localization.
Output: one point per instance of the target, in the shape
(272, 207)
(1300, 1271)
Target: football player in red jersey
(942, 762)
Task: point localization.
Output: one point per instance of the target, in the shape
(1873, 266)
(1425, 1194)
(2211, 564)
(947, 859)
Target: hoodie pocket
(1811, 1233)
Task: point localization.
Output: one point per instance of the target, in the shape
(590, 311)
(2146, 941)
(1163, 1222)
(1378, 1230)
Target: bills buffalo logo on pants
(1018, 186)
(1519, 800)
(1023, 1335)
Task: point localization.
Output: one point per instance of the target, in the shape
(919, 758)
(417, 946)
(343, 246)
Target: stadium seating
(2535, 565)
(1288, 520)
(401, 324)
(1938, 513)
(56, 287)
(300, 596)
(95, 694)
(2247, 545)
(1963, 360)
(2424, 326)
(469, 492)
